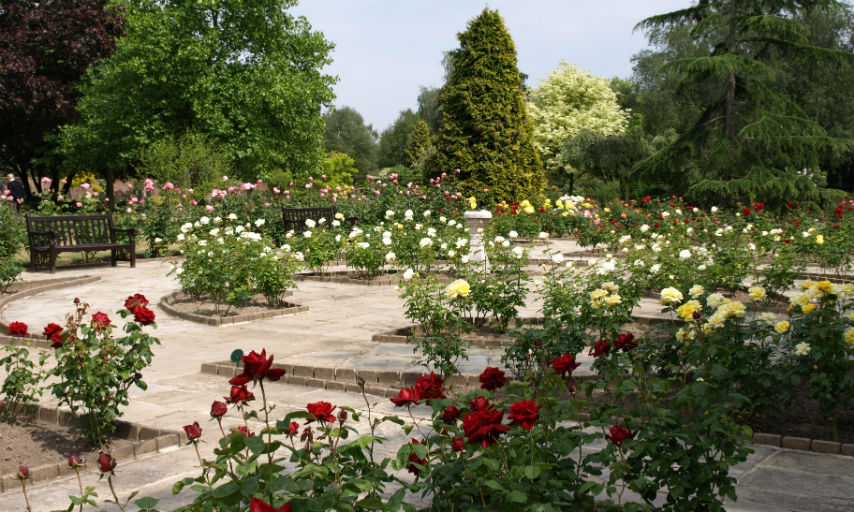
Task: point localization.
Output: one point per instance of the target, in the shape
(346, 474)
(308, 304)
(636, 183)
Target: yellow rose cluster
(605, 296)
(458, 288)
(729, 309)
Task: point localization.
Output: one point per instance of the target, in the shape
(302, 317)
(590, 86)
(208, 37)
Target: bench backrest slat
(72, 230)
(295, 217)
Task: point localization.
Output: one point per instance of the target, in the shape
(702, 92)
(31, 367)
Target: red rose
(23, 472)
(450, 414)
(256, 505)
(143, 315)
(17, 329)
(415, 459)
(135, 301)
(193, 431)
(246, 432)
(239, 394)
(746, 212)
(53, 332)
(293, 428)
(256, 367)
(74, 461)
(322, 411)
(457, 444)
(100, 321)
(600, 348)
(618, 434)
(492, 379)
(565, 364)
(106, 463)
(429, 387)
(478, 403)
(484, 426)
(524, 413)
(406, 397)
(625, 342)
(218, 409)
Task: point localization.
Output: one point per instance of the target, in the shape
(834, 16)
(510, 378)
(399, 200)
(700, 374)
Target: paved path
(336, 330)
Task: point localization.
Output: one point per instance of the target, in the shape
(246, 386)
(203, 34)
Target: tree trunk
(571, 182)
(109, 177)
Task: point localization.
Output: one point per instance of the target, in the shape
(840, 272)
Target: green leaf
(517, 496)
(226, 490)
(531, 472)
(147, 502)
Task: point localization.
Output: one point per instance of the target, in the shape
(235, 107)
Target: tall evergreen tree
(748, 141)
(486, 131)
(419, 142)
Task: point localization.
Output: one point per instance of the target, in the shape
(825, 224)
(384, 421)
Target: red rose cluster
(624, 342)
(427, 387)
(17, 329)
(137, 304)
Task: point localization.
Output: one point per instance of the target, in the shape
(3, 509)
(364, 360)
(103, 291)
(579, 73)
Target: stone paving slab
(337, 330)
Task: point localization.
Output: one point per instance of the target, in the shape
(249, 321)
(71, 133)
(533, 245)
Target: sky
(386, 49)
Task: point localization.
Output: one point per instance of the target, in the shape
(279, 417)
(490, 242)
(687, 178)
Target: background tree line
(734, 100)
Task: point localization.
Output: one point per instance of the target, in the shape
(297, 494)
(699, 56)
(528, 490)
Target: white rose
(260, 222)
(408, 274)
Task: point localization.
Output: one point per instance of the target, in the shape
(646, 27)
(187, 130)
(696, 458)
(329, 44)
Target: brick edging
(166, 300)
(144, 441)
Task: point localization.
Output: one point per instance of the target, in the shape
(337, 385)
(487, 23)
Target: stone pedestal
(477, 221)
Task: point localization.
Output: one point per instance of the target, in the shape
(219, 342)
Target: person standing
(16, 190)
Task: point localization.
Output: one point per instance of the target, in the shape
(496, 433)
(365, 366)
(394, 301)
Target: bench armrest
(51, 234)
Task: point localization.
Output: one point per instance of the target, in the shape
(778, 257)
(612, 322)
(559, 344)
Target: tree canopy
(485, 130)
(45, 49)
(346, 132)
(244, 75)
(394, 140)
(567, 102)
(749, 139)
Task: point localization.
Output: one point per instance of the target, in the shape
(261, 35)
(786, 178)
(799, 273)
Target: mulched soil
(202, 307)
(35, 444)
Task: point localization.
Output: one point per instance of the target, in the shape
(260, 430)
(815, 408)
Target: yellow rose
(613, 300)
(686, 311)
(849, 336)
(756, 292)
(472, 203)
(808, 308)
(819, 239)
(782, 327)
(671, 296)
(529, 209)
(599, 293)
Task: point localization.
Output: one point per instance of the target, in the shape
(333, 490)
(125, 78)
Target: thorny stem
(202, 465)
(113, 490)
(267, 422)
(26, 499)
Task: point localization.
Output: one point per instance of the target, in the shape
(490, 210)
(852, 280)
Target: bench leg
(53, 260)
(132, 255)
(33, 258)
(113, 258)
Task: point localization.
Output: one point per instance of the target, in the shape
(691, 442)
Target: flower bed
(184, 306)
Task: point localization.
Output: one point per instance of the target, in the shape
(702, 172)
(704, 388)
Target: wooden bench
(50, 236)
(295, 217)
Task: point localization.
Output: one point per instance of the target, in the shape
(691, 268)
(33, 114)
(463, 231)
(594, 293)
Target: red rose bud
(143, 315)
(256, 505)
(457, 444)
(625, 342)
(293, 428)
(406, 397)
(17, 329)
(322, 411)
(524, 413)
(23, 472)
(600, 348)
(74, 461)
(618, 434)
(696, 315)
(492, 379)
(239, 394)
(450, 414)
(218, 409)
(106, 463)
(429, 387)
(478, 404)
(246, 432)
(194, 431)
(100, 321)
(342, 415)
(135, 301)
(76, 300)
(415, 459)
(565, 364)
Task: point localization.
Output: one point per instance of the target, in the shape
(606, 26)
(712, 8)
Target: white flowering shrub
(230, 263)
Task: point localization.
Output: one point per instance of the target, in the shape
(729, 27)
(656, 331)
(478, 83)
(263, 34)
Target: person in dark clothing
(16, 190)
